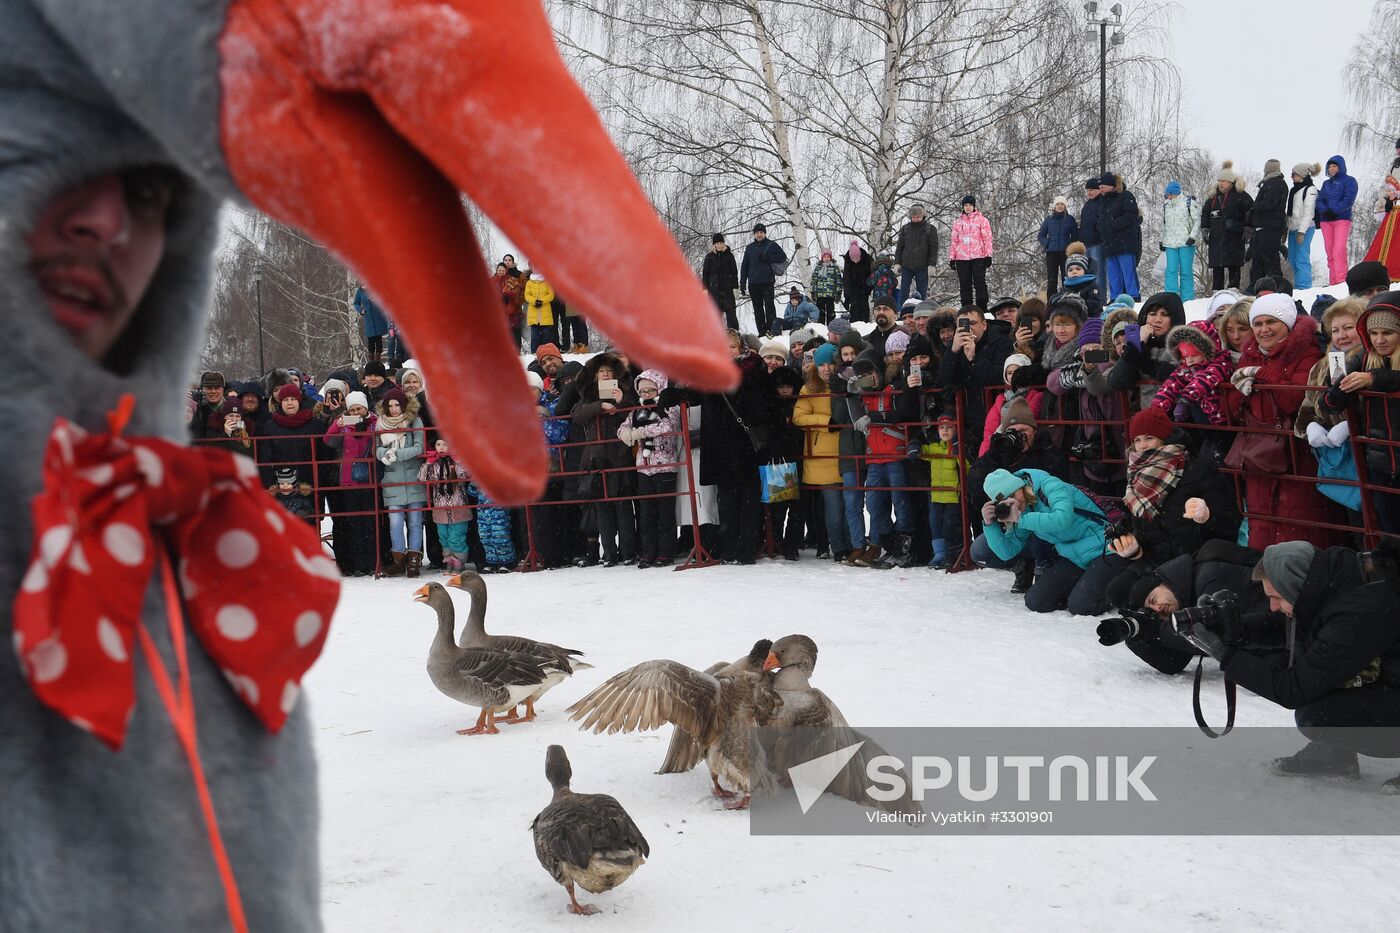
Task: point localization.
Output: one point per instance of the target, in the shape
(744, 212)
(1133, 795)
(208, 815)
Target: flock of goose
(588, 840)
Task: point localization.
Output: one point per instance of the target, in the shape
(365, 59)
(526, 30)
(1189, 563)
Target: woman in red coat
(1281, 352)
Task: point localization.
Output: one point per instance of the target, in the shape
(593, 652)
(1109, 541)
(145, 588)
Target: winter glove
(388, 456)
(1317, 435)
(1132, 354)
(1072, 375)
(1197, 510)
(1243, 378)
(1206, 640)
(1190, 241)
(1181, 411)
(1339, 435)
(862, 424)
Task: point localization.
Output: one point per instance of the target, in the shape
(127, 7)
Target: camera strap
(1229, 704)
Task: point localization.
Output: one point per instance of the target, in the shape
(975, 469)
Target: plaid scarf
(1151, 475)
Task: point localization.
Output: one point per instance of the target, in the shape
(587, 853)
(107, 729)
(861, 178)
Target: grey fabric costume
(92, 839)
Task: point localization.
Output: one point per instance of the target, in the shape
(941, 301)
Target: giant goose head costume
(358, 121)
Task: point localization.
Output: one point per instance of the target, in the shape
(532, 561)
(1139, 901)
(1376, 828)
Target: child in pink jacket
(970, 252)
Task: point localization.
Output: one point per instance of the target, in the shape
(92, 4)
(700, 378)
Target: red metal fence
(1369, 529)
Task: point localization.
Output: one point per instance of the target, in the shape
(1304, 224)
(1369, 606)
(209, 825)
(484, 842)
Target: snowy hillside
(426, 830)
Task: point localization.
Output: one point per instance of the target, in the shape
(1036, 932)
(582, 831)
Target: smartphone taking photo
(1336, 365)
(607, 388)
(1133, 334)
(1096, 356)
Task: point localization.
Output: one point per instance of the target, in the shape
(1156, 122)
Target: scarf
(1306, 183)
(1152, 474)
(302, 416)
(399, 424)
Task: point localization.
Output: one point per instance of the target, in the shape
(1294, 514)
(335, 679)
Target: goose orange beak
(455, 580)
(771, 663)
(420, 595)
(359, 121)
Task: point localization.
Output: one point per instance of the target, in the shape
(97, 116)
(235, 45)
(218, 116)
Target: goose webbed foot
(741, 804)
(575, 907)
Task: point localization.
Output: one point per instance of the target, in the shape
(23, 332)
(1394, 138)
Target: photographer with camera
(972, 362)
(1033, 503)
(1336, 663)
(1176, 502)
(1017, 445)
(1147, 602)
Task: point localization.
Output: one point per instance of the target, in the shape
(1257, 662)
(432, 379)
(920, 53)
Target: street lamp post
(1100, 22)
(257, 292)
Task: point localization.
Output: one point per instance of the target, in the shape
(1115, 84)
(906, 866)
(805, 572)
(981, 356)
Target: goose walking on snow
(562, 662)
(585, 839)
(483, 677)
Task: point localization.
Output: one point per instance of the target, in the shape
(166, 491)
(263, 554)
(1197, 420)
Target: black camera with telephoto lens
(1129, 625)
(1219, 612)
(1008, 445)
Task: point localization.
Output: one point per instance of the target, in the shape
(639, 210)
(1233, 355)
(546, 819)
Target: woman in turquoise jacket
(1040, 506)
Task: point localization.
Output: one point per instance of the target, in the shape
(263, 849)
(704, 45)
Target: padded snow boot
(415, 563)
(395, 566)
(1025, 577)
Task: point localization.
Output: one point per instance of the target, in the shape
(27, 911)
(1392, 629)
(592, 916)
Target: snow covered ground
(426, 830)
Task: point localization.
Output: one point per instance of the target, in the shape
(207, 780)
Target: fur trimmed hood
(1200, 334)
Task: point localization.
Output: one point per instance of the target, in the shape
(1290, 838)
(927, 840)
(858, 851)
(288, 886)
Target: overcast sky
(1263, 79)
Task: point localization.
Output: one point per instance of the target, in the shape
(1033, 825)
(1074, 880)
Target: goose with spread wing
(585, 839)
(684, 753)
(483, 677)
(717, 710)
(562, 664)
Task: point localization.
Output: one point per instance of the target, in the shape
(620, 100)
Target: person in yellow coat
(821, 447)
(944, 498)
(539, 311)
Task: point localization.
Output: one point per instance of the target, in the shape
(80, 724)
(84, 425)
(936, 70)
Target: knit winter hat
(356, 398)
(1117, 329)
(910, 304)
(1221, 301)
(334, 385)
(716, 238)
(1059, 200)
(1286, 567)
(1276, 306)
(826, 254)
(1017, 411)
(1108, 180)
(1380, 316)
(1015, 359)
(759, 228)
(1152, 422)
(1173, 187)
(884, 301)
(289, 390)
(394, 395)
(919, 345)
(1367, 275)
(286, 475)
(547, 349)
(1227, 172)
(1091, 332)
(1273, 167)
(1081, 263)
(839, 326)
(851, 339)
(826, 353)
(1067, 304)
(1091, 184)
(970, 199)
(1003, 484)
(896, 342)
(1305, 169)
(375, 368)
(773, 348)
(795, 292)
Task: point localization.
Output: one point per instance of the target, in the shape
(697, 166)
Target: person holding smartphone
(1146, 358)
(605, 401)
(972, 362)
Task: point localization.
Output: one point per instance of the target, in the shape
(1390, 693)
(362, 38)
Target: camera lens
(1116, 631)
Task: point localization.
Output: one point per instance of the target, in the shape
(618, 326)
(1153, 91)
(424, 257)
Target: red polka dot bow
(257, 590)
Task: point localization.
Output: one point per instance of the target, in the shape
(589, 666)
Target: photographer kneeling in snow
(1336, 664)
(1032, 502)
(1147, 601)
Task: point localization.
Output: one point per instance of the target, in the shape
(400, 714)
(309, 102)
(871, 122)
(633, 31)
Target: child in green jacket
(945, 494)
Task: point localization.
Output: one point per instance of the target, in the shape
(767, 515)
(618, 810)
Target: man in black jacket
(1337, 663)
(971, 362)
(1120, 228)
(720, 276)
(855, 282)
(1269, 218)
(757, 275)
(1089, 232)
(1148, 601)
(915, 251)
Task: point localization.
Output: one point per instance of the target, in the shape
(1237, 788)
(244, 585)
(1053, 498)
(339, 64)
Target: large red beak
(360, 121)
